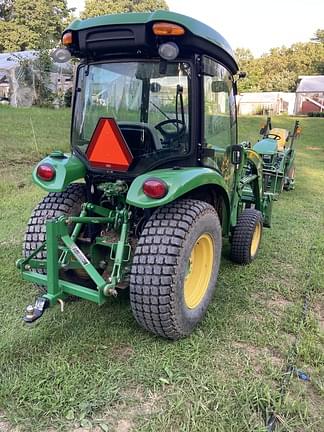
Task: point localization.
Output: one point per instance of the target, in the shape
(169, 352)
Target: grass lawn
(94, 369)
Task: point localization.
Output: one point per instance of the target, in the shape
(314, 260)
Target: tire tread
(153, 274)
(242, 237)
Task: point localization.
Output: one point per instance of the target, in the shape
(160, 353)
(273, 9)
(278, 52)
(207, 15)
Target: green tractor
(278, 154)
(155, 178)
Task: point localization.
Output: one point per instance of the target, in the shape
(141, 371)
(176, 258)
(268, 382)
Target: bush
(315, 114)
(68, 98)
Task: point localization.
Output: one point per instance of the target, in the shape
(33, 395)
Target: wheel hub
(256, 239)
(199, 270)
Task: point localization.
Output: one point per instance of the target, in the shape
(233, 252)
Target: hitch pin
(61, 304)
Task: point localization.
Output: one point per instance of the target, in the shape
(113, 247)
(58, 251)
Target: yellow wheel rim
(200, 267)
(256, 239)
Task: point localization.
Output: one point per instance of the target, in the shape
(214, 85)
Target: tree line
(38, 24)
(279, 69)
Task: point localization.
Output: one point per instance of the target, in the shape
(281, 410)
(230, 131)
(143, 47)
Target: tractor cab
(161, 83)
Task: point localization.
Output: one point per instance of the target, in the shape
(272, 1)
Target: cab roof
(194, 26)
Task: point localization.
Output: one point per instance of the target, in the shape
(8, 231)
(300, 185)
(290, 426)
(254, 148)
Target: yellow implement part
(283, 133)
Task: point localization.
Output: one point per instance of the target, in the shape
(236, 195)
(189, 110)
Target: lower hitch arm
(34, 312)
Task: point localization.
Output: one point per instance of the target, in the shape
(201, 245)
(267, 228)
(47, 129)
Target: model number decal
(79, 255)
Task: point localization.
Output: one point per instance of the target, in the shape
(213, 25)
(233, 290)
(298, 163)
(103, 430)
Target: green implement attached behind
(155, 178)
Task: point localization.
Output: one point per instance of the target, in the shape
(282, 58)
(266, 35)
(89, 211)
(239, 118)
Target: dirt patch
(124, 426)
(133, 404)
(91, 429)
(5, 426)
(257, 354)
(122, 352)
(10, 243)
(319, 314)
(313, 148)
(276, 303)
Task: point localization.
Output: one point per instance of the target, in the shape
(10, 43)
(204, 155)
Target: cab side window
(219, 107)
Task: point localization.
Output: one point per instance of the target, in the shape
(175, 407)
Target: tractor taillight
(155, 188)
(46, 172)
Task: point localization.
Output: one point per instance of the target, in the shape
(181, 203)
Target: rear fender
(180, 181)
(68, 169)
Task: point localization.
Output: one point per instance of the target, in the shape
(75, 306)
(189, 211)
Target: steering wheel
(170, 136)
(274, 136)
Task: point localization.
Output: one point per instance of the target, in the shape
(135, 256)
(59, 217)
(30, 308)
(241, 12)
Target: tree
(319, 36)
(247, 63)
(279, 69)
(15, 37)
(5, 9)
(103, 7)
(31, 24)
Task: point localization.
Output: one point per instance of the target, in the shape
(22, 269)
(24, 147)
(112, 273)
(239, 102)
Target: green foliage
(31, 24)
(5, 9)
(279, 69)
(102, 7)
(15, 37)
(35, 73)
(315, 114)
(68, 98)
(95, 365)
(319, 36)
(248, 64)
(43, 65)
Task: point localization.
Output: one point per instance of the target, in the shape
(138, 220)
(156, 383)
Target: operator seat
(283, 133)
(141, 138)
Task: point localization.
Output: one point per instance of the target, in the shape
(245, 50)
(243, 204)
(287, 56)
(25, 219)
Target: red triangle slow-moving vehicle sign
(108, 148)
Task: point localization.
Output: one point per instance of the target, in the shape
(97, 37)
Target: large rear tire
(55, 204)
(175, 268)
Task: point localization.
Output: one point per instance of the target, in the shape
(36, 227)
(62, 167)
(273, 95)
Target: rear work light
(167, 29)
(67, 38)
(46, 172)
(155, 188)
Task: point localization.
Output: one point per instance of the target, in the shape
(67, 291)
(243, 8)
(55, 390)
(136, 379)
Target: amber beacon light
(67, 38)
(167, 29)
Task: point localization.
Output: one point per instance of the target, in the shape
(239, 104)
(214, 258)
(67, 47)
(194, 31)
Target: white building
(266, 103)
(310, 94)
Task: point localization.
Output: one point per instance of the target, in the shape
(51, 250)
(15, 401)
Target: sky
(253, 24)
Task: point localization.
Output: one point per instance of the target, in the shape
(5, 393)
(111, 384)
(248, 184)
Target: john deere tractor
(155, 178)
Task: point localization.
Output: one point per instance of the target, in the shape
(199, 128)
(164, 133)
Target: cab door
(219, 123)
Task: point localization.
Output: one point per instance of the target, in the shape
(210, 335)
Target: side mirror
(155, 87)
(242, 75)
(219, 87)
(236, 154)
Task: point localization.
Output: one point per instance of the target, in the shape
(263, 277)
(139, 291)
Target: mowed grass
(94, 368)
